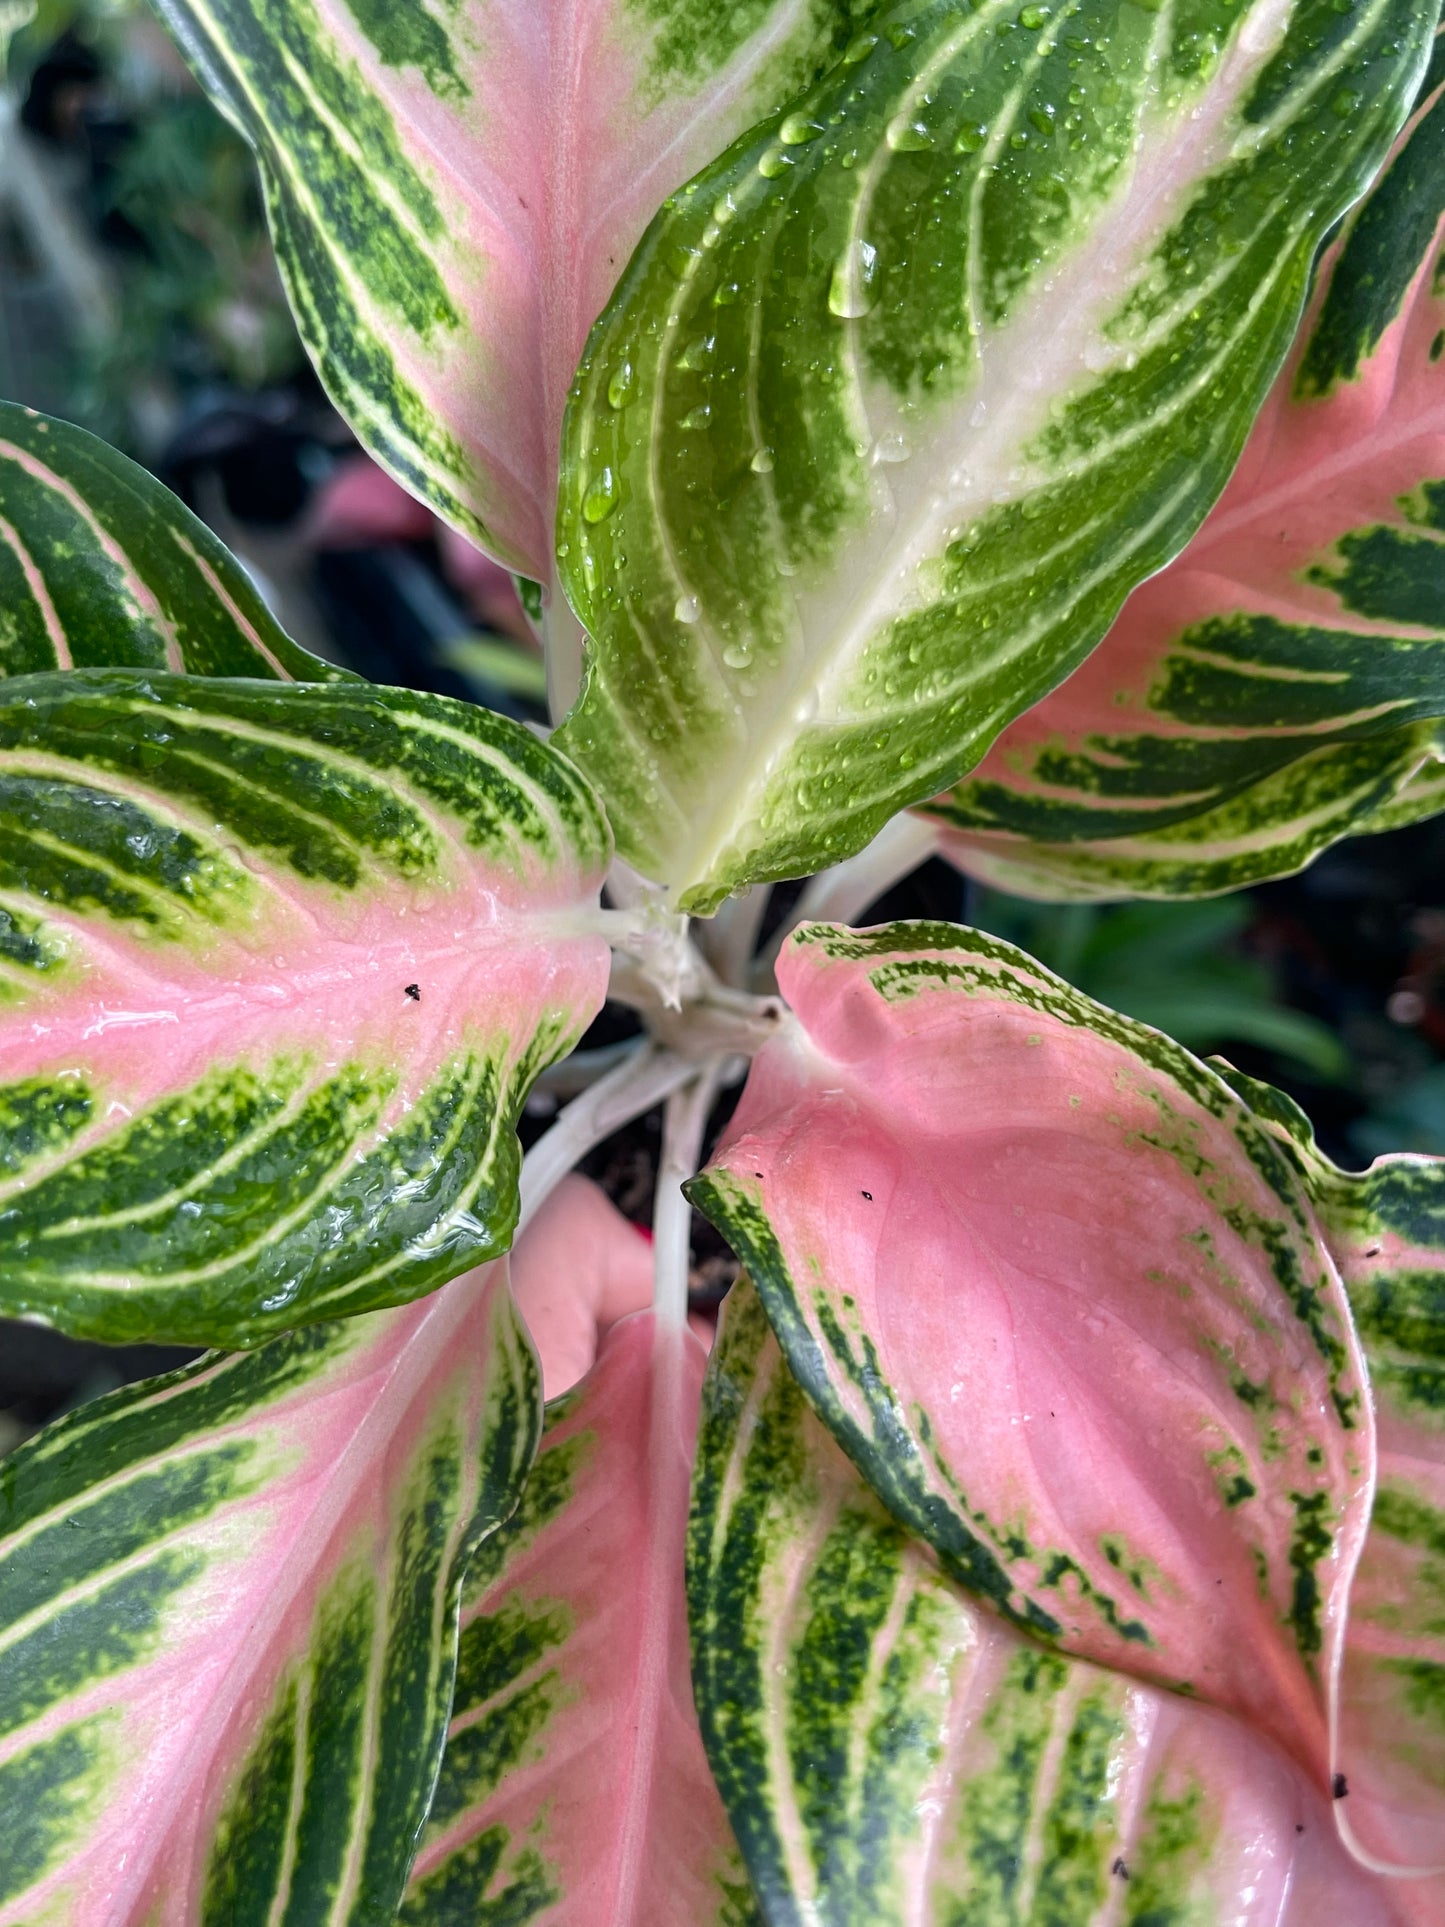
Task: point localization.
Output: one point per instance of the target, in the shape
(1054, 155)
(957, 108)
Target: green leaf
(101, 567)
(228, 1619)
(1282, 683)
(901, 397)
(278, 966)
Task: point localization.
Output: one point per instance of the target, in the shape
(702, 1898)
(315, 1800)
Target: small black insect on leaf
(1339, 1786)
(1119, 1868)
(414, 992)
(1299, 1826)
(869, 1196)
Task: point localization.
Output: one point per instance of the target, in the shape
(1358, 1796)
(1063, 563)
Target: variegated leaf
(891, 1756)
(228, 1620)
(1282, 683)
(101, 567)
(455, 189)
(575, 1789)
(278, 965)
(1060, 1295)
(901, 397)
(1386, 1227)
(580, 1268)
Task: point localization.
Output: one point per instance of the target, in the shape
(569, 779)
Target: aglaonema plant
(1015, 429)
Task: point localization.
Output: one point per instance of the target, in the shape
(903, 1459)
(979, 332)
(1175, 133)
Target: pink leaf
(1283, 681)
(892, 1756)
(578, 1268)
(228, 1619)
(575, 1789)
(1060, 1295)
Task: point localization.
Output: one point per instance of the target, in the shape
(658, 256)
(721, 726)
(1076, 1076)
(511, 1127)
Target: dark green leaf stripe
(888, 1755)
(1304, 699)
(101, 567)
(1384, 244)
(222, 1111)
(228, 1611)
(899, 399)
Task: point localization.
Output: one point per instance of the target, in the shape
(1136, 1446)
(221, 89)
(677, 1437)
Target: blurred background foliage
(139, 297)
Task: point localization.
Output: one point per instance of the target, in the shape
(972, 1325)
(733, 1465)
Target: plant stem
(634, 1086)
(584, 1068)
(684, 1122)
(732, 936)
(844, 892)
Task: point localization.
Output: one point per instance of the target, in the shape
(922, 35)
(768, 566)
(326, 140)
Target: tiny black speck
(414, 992)
(1299, 1826)
(757, 1174)
(869, 1196)
(1339, 1786)
(1119, 1868)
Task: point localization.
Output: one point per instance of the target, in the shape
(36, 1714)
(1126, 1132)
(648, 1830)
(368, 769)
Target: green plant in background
(1050, 1535)
(1176, 966)
(183, 291)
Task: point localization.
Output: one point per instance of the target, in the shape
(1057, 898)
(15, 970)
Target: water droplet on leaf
(601, 496)
(850, 292)
(687, 609)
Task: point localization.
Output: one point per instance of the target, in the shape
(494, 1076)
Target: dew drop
(891, 448)
(723, 209)
(683, 260)
(725, 294)
(601, 496)
(1033, 18)
(620, 386)
(971, 138)
(907, 136)
(698, 417)
(858, 50)
(776, 161)
(697, 354)
(797, 130)
(762, 462)
(850, 292)
(737, 655)
(687, 609)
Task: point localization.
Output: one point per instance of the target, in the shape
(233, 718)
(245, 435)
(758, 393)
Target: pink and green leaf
(902, 396)
(1282, 683)
(101, 567)
(574, 1787)
(1386, 1228)
(891, 1756)
(1060, 1295)
(228, 1619)
(454, 191)
(278, 966)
